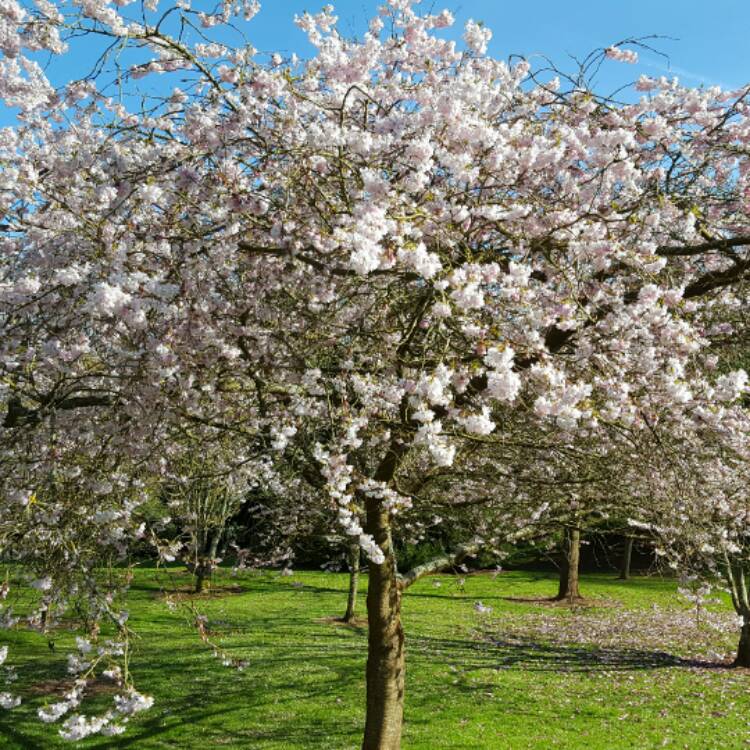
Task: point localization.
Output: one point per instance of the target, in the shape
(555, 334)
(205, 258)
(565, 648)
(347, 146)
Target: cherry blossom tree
(392, 246)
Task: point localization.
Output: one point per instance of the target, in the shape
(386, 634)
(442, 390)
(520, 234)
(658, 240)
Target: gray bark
(626, 558)
(568, 586)
(385, 642)
(351, 603)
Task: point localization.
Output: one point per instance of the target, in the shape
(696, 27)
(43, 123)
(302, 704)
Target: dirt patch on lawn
(58, 688)
(355, 623)
(187, 593)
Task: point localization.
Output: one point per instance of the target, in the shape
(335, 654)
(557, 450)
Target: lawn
(636, 669)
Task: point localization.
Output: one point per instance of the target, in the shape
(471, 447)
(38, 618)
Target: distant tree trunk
(351, 604)
(385, 641)
(568, 587)
(200, 578)
(206, 560)
(626, 557)
(735, 577)
(743, 648)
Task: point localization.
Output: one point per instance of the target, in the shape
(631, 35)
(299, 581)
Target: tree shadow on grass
(527, 654)
(233, 709)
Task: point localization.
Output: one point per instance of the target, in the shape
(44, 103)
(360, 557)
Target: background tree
(203, 499)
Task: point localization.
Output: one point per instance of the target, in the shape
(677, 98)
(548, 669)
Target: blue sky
(706, 44)
(708, 41)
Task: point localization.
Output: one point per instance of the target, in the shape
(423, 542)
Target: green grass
(625, 674)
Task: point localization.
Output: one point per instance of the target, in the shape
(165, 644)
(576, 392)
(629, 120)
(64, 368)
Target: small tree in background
(203, 502)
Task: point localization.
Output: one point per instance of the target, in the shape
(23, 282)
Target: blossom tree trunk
(386, 664)
(351, 603)
(568, 587)
(385, 643)
(206, 560)
(626, 558)
(735, 577)
(200, 578)
(743, 647)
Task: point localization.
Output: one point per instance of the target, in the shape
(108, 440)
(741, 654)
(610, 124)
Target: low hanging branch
(439, 563)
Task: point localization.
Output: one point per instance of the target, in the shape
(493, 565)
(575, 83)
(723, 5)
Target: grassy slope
(503, 680)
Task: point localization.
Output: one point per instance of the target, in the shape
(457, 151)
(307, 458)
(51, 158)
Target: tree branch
(439, 563)
(18, 414)
(668, 251)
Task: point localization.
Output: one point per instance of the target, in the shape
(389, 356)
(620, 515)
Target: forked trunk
(385, 643)
(626, 557)
(568, 587)
(351, 604)
(743, 648)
